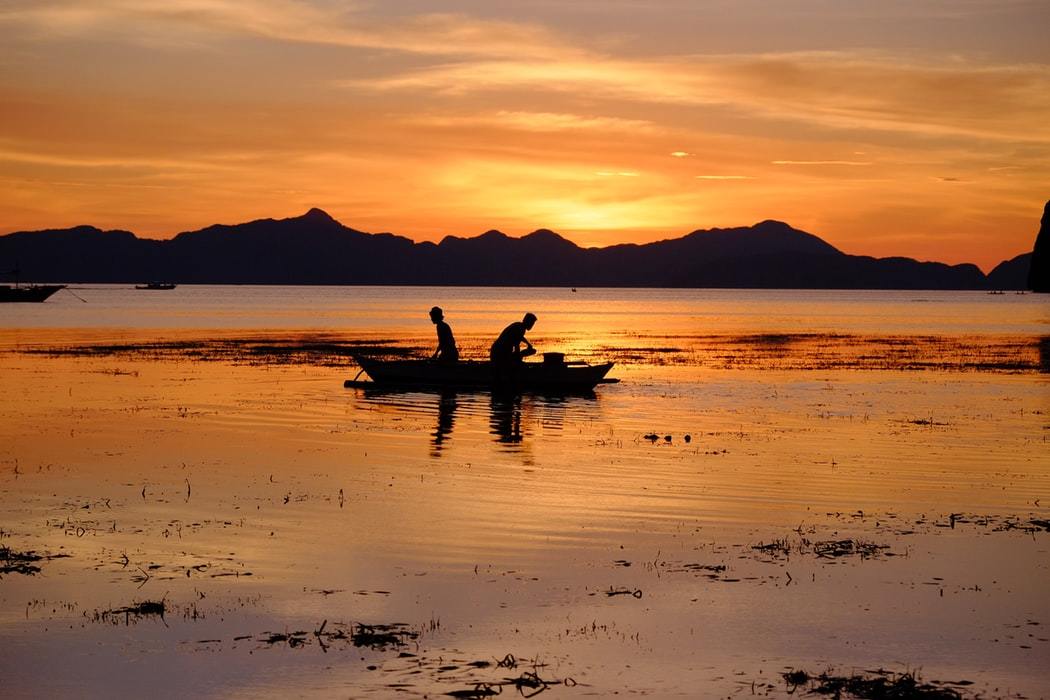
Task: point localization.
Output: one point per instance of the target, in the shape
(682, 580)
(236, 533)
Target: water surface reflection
(513, 518)
(446, 420)
(511, 419)
(505, 418)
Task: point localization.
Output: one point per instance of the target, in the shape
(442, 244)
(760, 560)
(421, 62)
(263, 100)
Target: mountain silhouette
(1011, 274)
(316, 249)
(1039, 274)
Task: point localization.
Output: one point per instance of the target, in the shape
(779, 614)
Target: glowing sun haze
(918, 128)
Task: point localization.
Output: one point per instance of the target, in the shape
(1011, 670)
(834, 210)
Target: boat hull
(34, 293)
(526, 376)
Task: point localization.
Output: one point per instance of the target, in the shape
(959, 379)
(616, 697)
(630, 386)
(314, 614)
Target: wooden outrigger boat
(551, 375)
(32, 292)
(157, 286)
(26, 292)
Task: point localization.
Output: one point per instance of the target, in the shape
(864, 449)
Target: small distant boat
(25, 292)
(30, 292)
(553, 374)
(157, 286)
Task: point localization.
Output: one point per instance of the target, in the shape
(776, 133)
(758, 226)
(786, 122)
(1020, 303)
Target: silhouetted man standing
(446, 350)
(507, 348)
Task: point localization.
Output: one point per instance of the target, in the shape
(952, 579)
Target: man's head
(436, 314)
(529, 321)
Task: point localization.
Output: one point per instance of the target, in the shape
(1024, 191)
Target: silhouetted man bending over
(507, 348)
(446, 350)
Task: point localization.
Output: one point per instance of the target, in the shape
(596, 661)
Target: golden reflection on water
(261, 496)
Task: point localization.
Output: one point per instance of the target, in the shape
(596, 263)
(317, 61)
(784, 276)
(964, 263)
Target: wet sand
(835, 507)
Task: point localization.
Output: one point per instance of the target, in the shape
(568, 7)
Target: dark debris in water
(15, 562)
(528, 683)
(483, 678)
(847, 548)
(633, 592)
(379, 637)
(382, 636)
(480, 690)
(292, 639)
(826, 351)
(897, 524)
(777, 339)
(762, 351)
(996, 523)
(929, 422)
(324, 351)
(826, 549)
(873, 685)
(710, 571)
(136, 611)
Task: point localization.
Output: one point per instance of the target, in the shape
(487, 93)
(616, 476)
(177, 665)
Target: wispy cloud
(724, 177)
(439, 34)
(841, 90)
(100, 162)
(536, 121)
(819, 162)
(593, 76)
(847, 90)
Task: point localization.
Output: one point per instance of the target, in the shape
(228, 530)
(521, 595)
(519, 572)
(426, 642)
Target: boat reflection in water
(510, 419)
(505, 417)
(446, 420)
(510, 415)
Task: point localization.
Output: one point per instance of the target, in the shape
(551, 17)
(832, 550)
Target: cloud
(861, 90)
(592, 76)
(537, 121)
(439, 34)
(819, 162)
(724, 177)
(64, 161)
(831, 89)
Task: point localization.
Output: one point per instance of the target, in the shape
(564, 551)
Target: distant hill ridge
(316, 249)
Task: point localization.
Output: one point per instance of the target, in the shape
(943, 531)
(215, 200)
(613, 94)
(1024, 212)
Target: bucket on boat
(554, 358)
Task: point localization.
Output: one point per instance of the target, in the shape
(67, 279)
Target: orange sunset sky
(898, 127)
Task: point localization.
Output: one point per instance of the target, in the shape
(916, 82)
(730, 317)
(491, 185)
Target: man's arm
(437, 352)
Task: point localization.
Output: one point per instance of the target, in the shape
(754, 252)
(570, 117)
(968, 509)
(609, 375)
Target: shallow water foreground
(245, 527)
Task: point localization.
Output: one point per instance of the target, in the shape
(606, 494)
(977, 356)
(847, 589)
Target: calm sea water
(259, 498)
(480, 310)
